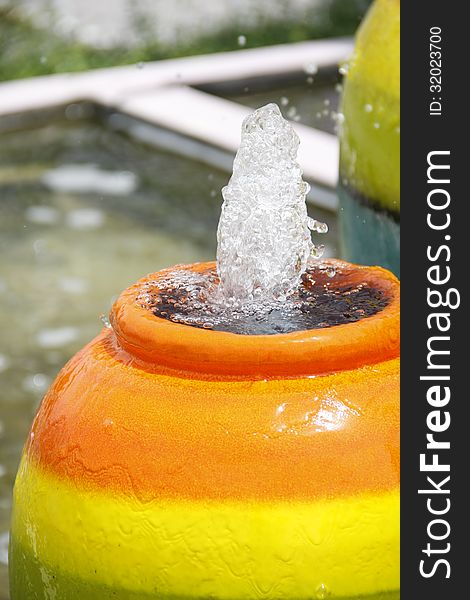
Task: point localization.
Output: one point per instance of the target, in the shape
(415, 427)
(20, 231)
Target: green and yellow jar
(173, 462)
(369, 182)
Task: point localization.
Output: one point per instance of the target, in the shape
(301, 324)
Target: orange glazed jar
(168, 461)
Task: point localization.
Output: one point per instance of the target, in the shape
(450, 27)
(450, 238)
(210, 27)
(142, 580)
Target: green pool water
(84, 212)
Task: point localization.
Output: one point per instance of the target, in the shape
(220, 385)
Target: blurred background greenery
(31, 46)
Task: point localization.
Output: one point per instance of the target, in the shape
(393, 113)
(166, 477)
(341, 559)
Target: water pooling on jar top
(265, 281)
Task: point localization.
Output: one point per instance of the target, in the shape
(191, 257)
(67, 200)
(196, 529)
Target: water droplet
(326, 102)
(106, 322)
(241, 40)
(284, 101)
(311, 68)
(376, 125)
(317, 226)
(43, 60)
(330, 271)
(39, 382)
(292, 112)
(75, 111)
(317, 251)
(39, 246)
(344, 69)
(322, 592)
(368, 108)
(340, 118)
(309, 79)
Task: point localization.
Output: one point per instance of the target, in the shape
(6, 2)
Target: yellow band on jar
(226, 549)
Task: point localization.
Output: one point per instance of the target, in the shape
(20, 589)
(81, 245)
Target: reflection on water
(83, 213)
(90, 179)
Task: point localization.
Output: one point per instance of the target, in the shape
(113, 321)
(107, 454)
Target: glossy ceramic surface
(173, 462)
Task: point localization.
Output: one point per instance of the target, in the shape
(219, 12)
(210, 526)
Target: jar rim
(309, 352)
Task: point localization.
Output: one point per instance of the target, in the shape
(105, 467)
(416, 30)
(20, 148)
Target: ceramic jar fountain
(170, 461)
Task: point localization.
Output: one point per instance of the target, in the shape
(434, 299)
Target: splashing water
(324, 298)
(264, 239)
(264, 283)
